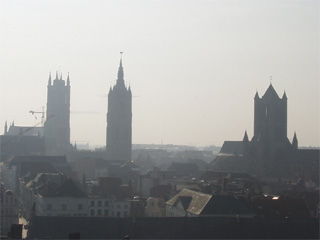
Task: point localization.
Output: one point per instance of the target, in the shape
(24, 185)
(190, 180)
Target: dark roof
(226, 204)
(36, 167)
(232, 147)
(185, 201)
(52, 159)
(67, 189)
(25, 131)
(58, 162)
(270, 93)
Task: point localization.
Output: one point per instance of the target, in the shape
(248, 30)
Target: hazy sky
(193, 66)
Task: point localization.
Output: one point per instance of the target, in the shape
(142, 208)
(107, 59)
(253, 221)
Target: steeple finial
(57, 75)
(120, 72)
(60, 76)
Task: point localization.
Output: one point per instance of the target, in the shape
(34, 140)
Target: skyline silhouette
(193, 67)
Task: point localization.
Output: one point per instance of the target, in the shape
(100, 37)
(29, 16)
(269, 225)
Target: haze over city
(193, 66)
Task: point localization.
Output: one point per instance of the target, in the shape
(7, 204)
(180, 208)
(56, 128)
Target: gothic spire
(120, 72)
(295, 141)
(57, 75)
(245, 138)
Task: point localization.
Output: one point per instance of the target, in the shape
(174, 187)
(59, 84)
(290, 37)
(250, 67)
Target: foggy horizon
(194, 67)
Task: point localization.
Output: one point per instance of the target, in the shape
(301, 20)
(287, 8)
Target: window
(152, 204)
(92, 204)
(99, 212)
(80, 206)
(125, 206)
(92, 212)
(118, 214)
(125, 214)
(106, 212)
(99, 203)
(49, 206)
(64, 207)
(118, 206)
(106, 203)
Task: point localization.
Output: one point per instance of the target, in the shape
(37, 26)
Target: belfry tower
(119, 120)
(270, 144)
(270, 116)
(57, 124)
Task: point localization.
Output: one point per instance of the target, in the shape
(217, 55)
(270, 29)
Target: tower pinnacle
(120, 72)
(49, 81)
(68, 80)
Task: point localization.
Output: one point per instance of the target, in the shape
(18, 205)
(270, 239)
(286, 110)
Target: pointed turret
(257, 95)
(57, 75)
(49, 81)
(295, 141)
(68, 80)
(245, 137)
(5, 128)
(284, 96)
(60, 76)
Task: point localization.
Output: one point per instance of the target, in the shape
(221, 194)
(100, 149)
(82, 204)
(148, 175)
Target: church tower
(270, 144)
(119, 120)
(270, 117)
(57, 124)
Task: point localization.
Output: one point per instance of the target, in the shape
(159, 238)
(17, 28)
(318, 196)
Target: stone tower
(270, 143)
(270, 116)
(119, 120)
(57, 124)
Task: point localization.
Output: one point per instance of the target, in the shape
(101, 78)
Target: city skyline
(193, 66)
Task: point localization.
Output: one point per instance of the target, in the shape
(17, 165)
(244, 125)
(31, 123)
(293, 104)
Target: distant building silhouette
(269, 154)
(57, 124)
(270, 142)
(119, 120)
(21, 140)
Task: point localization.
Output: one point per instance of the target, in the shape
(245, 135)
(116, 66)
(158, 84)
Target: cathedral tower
(57, 125)
(119, 120)
(270, 117)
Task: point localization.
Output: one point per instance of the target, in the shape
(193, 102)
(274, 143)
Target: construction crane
(42, 114)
